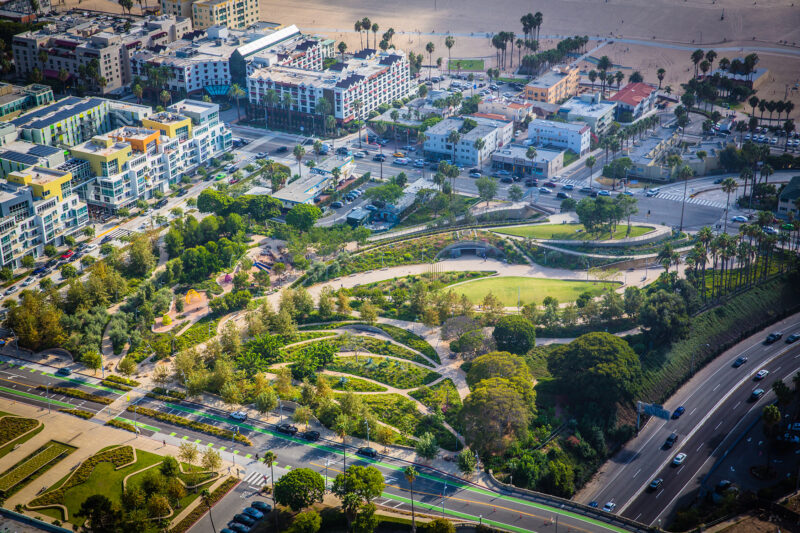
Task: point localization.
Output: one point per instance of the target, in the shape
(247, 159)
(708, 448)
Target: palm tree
(660, 73)
(697, 56)
(479, 145)
(165, 97)
(299, 152)
(590, 162)
(684, 173)
(236, 93)
(208, 501)
(592, 77)
(375, 35)
(138, 91)
(342, 427)
(342, 48)
(788, 127)
(63, 77)
(357, 28)
(449, 41)
(357, 106)
(269, 460)
(452, 138)
(411, 474)
(288, 102)
(430, 48)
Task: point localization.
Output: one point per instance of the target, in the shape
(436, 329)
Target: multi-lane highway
(718, 408)
(435, 492)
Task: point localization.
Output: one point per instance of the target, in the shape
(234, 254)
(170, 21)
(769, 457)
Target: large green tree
(664, 315)
(494, 414)
(515, 334)
(36, 321)
(299, 488)
(356, 488)
(303, 216)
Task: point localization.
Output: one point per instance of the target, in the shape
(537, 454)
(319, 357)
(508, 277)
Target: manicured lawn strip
(33, 466)
(389, 371)
(79, 394)
(571, 232)
(80, 413)
(517, 289)
(197, 513)
(328, 325)
(191, 424)
(401, 412)
(301, 336)
(352, 384)
(442, 395)
(466, 64)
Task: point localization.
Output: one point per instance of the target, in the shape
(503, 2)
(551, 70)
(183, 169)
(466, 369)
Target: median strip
(35, 397)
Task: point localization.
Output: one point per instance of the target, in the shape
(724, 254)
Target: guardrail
(571, 506)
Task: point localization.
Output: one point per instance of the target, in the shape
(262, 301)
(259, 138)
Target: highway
(435, 492)
(717, 407)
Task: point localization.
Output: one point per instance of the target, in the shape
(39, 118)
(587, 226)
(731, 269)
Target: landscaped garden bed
(392, 372)
(190, 424)
(32, 466)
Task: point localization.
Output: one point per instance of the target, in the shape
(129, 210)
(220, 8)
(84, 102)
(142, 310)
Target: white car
(761, 374)
(90, 247)
(609, 507)
(738, 218)
(28, 281)
(652, 192)
(239, 415)
(679, 459)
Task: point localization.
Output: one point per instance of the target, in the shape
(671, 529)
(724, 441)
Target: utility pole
(444, 491)
(366, 422)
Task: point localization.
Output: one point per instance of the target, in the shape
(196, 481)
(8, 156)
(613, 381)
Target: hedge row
(201, 509)
(12, 427)
(115, 385)
(116, 456)
(79, 394)
(191, 424)
(80, 413)
(167, 392)
(121, 424)
(125, 381)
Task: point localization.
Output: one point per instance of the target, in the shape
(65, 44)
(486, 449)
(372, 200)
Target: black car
(312, 436)
(244, 519)
(379, 157)
(772, 337)
(561, 194)
(655, 484)
(792, 338)
(593, 194)
(739, 361)
(107, 238)
(506, 179)
(63, 372)
(531, 183)
(368, 452)
(161, 203)
(288, 429)
(281, 149)
(182, 192)
(586, 190)
(673, 437)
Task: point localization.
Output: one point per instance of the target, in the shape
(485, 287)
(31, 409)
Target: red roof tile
(633, 93)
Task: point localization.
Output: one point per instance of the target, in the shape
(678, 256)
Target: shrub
(124, 381)
(121, 424)
(115, 385)
(80, 413)
(12, 427)
(32, 466)
(200, 510)
(389, 371)
(191, 424)
(75, 393)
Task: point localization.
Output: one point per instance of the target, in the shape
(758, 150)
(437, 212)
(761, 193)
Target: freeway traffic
(717, 407)
(435, 492)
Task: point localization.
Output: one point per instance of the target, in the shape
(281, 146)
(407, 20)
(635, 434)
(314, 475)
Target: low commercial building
(554, 86)
(575, 136)
(67, 122)
(15, 98)
(788, 197)
(37, 208)
(589, 108)
(495, 132)
(19, 155)
(339, 164)
(369, 78)
(514, 158)
(634, 100)
(649, 156)
(303, 190)
(511, 110)
(754, 80)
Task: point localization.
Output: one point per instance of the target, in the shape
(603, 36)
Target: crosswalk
(696, 201)
(256, 479)
(116, 234)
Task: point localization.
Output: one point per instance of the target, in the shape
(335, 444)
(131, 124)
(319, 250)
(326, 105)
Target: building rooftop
(579, 127)
(587, 105)
(548, 79)
(197, 107)
(49, 115)
(633, 93)
(130, 132)
(40, 175)
(486, 124)
(102, 145)
(303, 189)
(518, 151)
(791, 192)
(165, 117)
(27, 153)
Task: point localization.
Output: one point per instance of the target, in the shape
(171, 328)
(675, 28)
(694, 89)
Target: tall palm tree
(269, 460)
(298, 153)
(697, 56)
(208, 501)
(138, 91)
(592, 77)
(711, 55)
(357, 28)
(684, 173)
(366, 25)
(660, 73)
(165, 97)
(288, 102)
(271, 99)
(590, 163)
(375, 28)
(729, 185)
(342, 46)
(411, 474)
(342, 427)
(452, 138)
(430, 48)
(236, 92)
(479, 145)
(449, 41)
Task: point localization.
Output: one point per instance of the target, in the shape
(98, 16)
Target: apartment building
(495, 131)
(78, 44)
(207, 13)
(15, 98)
(19, 155)
(554, 86)
(37, 207)
(589, 108)
(634, 100)
(67, 122)
(369, 78)
(21, 10)
(516, 111)
(514, 158)
(574, 136)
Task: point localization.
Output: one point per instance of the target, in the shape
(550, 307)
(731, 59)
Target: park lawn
(352, 384)
(392, 372)
(474, 65)
(513, 289)
(575, 232)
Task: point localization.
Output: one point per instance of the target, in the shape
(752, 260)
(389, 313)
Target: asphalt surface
(718, 409)
(462, 500)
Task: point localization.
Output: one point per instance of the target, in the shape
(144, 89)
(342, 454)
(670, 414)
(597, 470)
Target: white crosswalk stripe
(696, 201)
(255, 478)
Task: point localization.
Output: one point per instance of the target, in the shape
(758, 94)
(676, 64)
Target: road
(462, 500)
(717, 410)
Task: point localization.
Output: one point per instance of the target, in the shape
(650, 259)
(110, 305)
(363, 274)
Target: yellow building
(554, 86)
(170, 124)
(106, 155)
(44, 182)
(235, 14)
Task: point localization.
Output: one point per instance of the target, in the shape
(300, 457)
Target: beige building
(235, 14)
(554, 86)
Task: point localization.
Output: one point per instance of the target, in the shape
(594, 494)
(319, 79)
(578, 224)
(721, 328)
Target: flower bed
(389, 371)
(191, 424)
(80, 413)
(442, 396)
(173, 394)
(196, 513)
(79, 394)
(119, 456)
(33, 466)
(12, 427)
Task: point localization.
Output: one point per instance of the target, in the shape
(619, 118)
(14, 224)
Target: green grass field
(474, 65)
(531, 290)
(575, 232)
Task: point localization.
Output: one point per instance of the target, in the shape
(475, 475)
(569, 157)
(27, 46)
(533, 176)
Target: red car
(67, 254)
(550, 184)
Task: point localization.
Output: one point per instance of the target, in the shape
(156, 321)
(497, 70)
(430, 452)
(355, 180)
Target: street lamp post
(280, 411)
(444, 491)
(366, 423)
(49, 404)
(327, 462)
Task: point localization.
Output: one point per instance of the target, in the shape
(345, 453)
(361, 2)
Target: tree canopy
(299, 488)
(515, 334)
(303, 216)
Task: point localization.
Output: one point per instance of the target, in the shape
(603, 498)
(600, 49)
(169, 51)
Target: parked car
(28, 282)
(678, 412)
(379, 157)
(281, 149)
(244, 519)
(337, 205)
(739, 361)
(367, 451)
(531, 183)
(772, 337)
(671, 440)
(239, 415)
(253, 513)
(66, 255)
(474, 174)
(11, 290)
(239, 528)
(679, 459)
(507, 179)
(287, 429)
(264, 507)
(501, 173)
(360, 155)
(761, 374)
(603, 193)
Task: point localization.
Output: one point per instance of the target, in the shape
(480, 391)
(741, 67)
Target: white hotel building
(369, 77)
(575, 136)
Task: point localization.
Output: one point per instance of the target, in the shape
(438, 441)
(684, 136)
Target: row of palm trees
(772, 106)
(366, 26)
(703, 61)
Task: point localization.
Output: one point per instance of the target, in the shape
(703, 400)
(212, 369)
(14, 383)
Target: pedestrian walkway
(690, 200)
